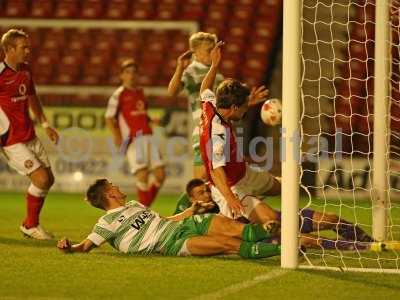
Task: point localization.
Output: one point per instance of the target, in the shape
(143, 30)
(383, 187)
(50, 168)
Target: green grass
(37, 270)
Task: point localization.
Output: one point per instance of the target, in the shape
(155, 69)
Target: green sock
(254, 233)
(258, 250)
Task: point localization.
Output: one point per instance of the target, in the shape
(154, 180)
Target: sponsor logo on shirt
(28, 164)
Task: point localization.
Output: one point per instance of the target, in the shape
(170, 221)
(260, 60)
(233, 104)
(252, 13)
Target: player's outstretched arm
(209, 79)
(175, 86)
(196, 208)
(218, 176)
(112, 124)
(37, 109)
(84, 246)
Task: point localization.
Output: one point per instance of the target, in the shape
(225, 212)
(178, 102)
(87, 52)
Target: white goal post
(294, 133)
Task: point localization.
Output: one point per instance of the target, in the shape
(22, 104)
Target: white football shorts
(26, 157)
(143, 152)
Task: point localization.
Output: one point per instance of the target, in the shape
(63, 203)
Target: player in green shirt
(134, 229)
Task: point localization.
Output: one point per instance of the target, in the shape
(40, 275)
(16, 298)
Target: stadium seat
(141, 11)
(192, 11)
(42, 9)
(67, 9)
(16, 8)
(166, 11)
(116, 9)
(91, 9)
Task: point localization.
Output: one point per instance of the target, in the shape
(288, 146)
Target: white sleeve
(4, 122)
(219, 141)
(208, 96)
(112, 106)
(100, 234)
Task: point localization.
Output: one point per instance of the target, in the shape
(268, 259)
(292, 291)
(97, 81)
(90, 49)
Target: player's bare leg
(142, 185)
(263, 213)
(214, 245)
(155, 182)
(275, 190)
(221, 225)
(41, 181)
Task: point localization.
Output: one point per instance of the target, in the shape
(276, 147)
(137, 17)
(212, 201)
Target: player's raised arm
(175, 84)
(208, 81)
(84, 246)
(36, 106)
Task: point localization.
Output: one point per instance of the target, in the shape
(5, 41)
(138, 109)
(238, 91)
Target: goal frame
(291, 124)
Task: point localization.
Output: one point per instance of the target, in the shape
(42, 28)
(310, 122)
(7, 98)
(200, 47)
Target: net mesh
(337, 89)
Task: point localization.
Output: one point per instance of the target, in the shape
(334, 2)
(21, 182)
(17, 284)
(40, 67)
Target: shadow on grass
(270, 262)
(355, 278)
(26, 242)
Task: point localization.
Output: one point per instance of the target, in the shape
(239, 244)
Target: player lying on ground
(23, 150)
(127, 118)
(132, 228)
(310, 221)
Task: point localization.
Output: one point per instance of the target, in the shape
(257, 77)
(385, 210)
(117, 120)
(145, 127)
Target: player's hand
(184, 59)
(53, 135)
(64, 245)
(216, 53)
(236, 207)
(258, 95)
(201, 207)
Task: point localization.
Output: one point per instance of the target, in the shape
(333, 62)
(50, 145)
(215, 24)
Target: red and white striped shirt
(218, 142)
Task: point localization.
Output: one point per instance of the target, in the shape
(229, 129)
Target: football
(271, 112)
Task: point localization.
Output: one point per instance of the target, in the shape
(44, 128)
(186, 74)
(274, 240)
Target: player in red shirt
(23, 150)
(234, 183)
(127, 118)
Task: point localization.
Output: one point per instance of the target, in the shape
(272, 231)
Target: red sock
(33, 207)
(143, 197)
(153, 192)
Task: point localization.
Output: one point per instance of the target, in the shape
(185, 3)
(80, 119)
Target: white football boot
(36, 233)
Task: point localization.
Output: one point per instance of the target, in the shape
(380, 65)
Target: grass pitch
(37, 270)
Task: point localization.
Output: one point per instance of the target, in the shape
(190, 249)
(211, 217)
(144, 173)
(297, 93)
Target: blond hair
(199, 37)
(8, 39)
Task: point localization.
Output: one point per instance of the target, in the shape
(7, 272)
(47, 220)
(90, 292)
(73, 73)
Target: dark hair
(95, 193)
(192, 184)
(231, 92)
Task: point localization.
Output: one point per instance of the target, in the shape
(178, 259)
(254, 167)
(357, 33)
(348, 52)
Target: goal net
(349, 132)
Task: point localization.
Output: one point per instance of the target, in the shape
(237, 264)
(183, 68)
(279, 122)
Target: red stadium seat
(192, 11)
(141, 11)
(16, 8)
(92, 9)
(67, 9)
(79, 39)
(166, 11)
(117, 9)
(42, 9)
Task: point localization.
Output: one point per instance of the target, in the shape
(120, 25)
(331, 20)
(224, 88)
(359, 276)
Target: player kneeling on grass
(22, 149)
(310, 221)
(132, 228)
